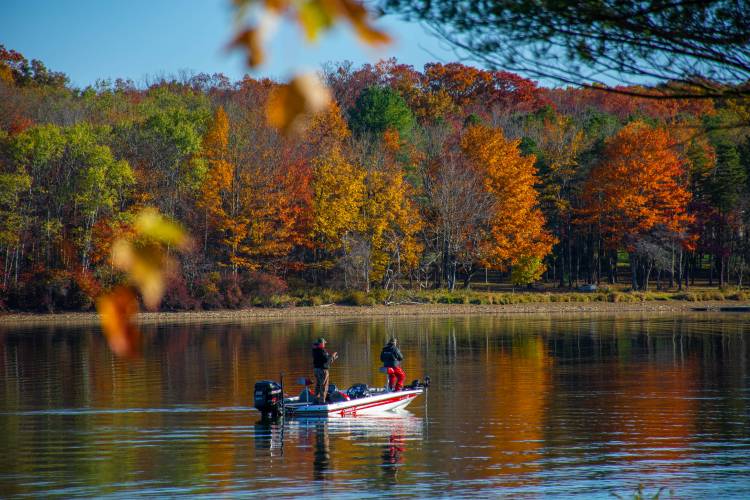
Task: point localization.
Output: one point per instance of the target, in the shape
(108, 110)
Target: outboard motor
(268, 398)
(419, 384)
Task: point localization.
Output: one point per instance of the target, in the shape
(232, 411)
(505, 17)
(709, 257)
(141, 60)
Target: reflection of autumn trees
(518, 405)
(660, 411)
(492, 379)
(635, 390)
(511, 397)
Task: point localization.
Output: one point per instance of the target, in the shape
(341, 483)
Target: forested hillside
(412, 179)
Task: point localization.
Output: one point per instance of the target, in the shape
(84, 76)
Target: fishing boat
(358, 399)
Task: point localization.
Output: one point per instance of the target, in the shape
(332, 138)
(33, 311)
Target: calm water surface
(525, 406)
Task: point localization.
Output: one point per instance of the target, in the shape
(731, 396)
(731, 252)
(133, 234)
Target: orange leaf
(249, 40)
(358, 16)
(277, 5)
(116, 311)
(289, 103)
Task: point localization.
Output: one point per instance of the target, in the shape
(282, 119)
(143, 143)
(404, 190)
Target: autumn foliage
(639, 186)
(408, 179)
(517, 225)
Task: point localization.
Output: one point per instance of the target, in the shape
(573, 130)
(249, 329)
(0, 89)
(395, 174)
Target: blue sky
(100, 39)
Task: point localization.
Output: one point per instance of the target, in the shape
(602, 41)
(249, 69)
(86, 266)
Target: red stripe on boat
(351, 409)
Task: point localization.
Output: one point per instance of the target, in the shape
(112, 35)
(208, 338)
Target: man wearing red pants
(392, 358)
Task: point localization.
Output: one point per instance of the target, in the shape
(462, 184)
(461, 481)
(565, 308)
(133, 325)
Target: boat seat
(306, 396)
(358, 391)
(337, 397)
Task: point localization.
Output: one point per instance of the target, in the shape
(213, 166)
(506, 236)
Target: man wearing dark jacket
(321, 363)
(392, 358)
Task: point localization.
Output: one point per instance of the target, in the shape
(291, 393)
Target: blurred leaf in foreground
(313, 16)
(145, 258)
(116, 311)
(249, 39)
(300, 98)
(304, 94)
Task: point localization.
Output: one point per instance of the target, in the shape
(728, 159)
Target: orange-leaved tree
(637, 195)
(220, 194)
(257, 198)
(517, 235)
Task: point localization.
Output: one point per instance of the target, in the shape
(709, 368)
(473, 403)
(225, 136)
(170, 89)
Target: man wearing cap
(391, 357)
(321, 363)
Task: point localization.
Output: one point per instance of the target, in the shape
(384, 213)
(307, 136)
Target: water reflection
(322, 453)
(521, 406)
(393, 453)
(269, 438)
(390, 431)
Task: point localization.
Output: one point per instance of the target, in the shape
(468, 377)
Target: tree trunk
(740, 270)
(599, 255)
(692, 269)
(467, 279)
(647, 274)
(452, 276)
(570, 259)
(658, 280)
(671, 269)
(561, 259)
(615, 278)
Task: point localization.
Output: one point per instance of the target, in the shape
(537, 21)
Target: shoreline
(400, 310)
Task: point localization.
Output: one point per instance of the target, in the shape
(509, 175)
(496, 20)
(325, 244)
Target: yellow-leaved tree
(390, 225)
(338, 196)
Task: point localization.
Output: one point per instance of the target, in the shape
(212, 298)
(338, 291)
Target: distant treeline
(412, 179)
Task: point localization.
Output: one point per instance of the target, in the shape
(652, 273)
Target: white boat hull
(370, 405)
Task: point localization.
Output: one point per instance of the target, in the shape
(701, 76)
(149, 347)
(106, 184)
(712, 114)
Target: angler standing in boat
(321, 363)
(392, 358)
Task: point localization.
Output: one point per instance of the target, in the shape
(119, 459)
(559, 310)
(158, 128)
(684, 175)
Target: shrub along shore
(431, 303)
(406, 297)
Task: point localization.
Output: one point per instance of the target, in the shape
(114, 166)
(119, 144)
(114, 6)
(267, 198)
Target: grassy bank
(376, 297)
(632, 305)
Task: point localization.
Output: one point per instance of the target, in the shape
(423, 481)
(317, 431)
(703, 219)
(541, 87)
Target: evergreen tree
(378, 109)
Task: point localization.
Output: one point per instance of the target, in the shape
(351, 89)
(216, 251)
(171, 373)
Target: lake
(523, 406)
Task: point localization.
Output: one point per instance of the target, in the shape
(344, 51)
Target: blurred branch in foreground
(691, 49)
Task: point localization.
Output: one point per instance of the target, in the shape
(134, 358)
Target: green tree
(74, 180)
(163, 148)
(528, 270)
(727, 181)
(378, 109)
